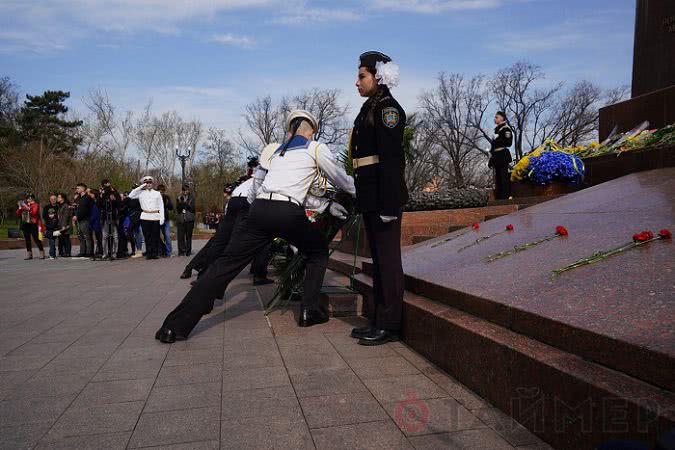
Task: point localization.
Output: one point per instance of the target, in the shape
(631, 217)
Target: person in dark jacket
(185, 220)
(135, 233)
(166, 228)
(123, 240)
(109, 204)
(376, 149)
(81, 220)
(500, 156)
(52, 233)
(65, 215)
(50, 216)
(95, 222)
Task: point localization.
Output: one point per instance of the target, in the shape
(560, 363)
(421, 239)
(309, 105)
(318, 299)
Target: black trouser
(237, 209)
(184, 236)
(84, 236)
(64, 244)
(502, 182)
(267, 219)
(151, 235)
(123, 243)
(388, 282)
(31, 230)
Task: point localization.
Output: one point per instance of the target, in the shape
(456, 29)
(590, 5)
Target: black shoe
(262, 281)
(310, 317)
(358, 333)
(187, 273)
(378, 337)
(167, 336)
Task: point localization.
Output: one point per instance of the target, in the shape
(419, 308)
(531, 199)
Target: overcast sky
(208, 58)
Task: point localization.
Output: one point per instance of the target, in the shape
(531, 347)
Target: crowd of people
(109, 224)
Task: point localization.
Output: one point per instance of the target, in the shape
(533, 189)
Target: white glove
(56, 233)
(387, 219)
(161, 223)
(338, 211)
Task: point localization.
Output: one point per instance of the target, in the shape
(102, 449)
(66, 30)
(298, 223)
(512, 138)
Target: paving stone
(254, 378)
(202, 445)
(327, 382)
(462, 440)
(341, 409)
(98, 419)
(506, 427)
(268, 402)
(174, 427)
(23, 436)
(458, 391)
(11, 380)
(201, 356)
(399, 388)
(300, 363)
(198, 373)
(117, 391)
(51, 386)
(128, 370)
(538, 446)
(265, 433)
(252, 353)
(184, 396)
(368, 436)
(72, 364)
(425, 416)
(112, 441)
(32, 410)
(389, 366)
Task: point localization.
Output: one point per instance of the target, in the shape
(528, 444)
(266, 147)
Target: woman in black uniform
(379, 163)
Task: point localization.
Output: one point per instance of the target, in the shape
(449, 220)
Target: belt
(278, 197)
(154, 211)
(500, 149)
(365, 161)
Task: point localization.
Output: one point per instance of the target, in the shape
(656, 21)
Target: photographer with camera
(185, 220)
(109, 205)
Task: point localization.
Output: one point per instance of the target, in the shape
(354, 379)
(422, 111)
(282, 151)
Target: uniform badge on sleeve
(390, 117)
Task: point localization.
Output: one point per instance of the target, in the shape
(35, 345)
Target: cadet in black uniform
(500, 156)
(379, 163)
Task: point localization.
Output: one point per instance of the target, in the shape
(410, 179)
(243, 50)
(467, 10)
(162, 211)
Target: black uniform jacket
(379, 131)
(503, 140)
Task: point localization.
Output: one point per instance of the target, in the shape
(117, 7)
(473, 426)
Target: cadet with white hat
(278, 211)
(152, 215)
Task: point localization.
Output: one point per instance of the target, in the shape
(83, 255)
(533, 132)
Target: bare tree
(449, 112)
(325, 105)
(516, 93)
(105, 131)
(9, 99)
(145, 135)
(263, 123)
(220, 152)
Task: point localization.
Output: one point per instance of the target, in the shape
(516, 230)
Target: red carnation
(561, 231)
(643, 236)
(665, 234)
(475, 226)
(509, 227)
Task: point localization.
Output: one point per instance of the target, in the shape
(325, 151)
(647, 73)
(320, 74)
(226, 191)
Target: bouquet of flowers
(555, 166)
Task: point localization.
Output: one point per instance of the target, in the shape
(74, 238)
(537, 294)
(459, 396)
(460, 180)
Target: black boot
(378, 337)
(310, 317)
(187, 273)
(359, 333)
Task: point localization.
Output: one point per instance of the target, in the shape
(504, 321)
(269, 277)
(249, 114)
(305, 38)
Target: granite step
(569, 402)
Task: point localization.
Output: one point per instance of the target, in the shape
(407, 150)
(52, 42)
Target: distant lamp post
(182, 157)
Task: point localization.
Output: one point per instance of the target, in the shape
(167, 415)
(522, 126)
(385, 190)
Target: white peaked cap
(302, 113)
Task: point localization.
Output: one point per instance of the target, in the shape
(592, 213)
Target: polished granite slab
(619, 312)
